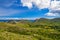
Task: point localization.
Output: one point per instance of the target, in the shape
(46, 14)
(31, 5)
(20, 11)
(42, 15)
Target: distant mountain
(37, 20)
(56, 19)
(45, 19)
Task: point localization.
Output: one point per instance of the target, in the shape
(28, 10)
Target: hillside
(39, 29)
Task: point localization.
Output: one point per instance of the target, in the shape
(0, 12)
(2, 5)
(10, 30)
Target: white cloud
(28, 4)
(55, 5)
(54, 9)
(52, 14)
(39, 3)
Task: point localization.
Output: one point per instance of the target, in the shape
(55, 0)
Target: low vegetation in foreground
(39, 29)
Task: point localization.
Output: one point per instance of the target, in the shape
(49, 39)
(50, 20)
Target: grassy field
(41, 29)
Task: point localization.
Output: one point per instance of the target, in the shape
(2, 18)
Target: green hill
(40, 29)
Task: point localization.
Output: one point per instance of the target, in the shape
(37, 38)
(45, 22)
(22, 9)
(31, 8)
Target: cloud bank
(39, 3)
(52, 14)
(53, 6)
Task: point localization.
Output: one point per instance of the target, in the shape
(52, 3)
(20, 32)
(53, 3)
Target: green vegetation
(40, 29)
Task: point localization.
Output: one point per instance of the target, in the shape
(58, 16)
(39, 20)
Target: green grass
(29, 31)
(12, 36)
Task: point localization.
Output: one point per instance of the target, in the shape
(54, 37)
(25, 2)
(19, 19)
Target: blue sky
(28, 9)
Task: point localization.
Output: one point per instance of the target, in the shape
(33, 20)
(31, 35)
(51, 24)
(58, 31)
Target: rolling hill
(39, 29)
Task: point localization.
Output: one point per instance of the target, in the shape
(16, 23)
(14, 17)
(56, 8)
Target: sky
(29, 9)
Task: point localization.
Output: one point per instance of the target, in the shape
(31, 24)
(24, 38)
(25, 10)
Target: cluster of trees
(39, 29)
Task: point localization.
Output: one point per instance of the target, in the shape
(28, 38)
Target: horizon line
(22, 18)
